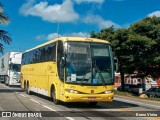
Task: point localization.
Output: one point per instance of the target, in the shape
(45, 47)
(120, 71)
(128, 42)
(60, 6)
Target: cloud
(79, 34)
(89, 1)
(47, 37)
(97, 20)
(52, 36)
(55, 35)
(156, 13)
(63, 12)
(40, 37)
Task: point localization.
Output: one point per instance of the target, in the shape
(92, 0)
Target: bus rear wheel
(28, 89)
(53, 95)
(25, 87)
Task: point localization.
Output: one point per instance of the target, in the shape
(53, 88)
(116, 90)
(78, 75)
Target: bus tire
(25, 87)
(93, 103)
(28, 89)
(53, 96)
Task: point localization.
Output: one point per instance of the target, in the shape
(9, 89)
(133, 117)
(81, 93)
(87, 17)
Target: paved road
(122, 108)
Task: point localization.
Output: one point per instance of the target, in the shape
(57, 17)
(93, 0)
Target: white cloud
(97, 20)
(63, 12)
(40, 37)
(47, 37)
(55, 35)
(156, 13)
(52, 36)
(89, 1)
(79, 34)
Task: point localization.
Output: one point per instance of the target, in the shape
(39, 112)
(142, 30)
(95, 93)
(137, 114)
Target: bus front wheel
(54, 96)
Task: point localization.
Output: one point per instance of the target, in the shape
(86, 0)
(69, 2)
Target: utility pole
(57, 27)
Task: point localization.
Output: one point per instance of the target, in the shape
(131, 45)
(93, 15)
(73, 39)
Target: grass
(128, 94)
(123, 93)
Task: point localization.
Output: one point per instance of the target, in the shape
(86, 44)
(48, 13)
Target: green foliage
(137, 47)
(4, 35)
(3, 18)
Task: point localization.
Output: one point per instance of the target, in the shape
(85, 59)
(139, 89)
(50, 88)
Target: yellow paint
(44, 75)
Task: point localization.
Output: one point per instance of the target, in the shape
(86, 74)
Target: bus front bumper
(70, 97)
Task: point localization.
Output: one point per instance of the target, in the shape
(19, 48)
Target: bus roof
(64, 39)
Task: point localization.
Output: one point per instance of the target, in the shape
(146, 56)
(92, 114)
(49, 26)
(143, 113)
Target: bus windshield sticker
(100, 52)
(95, 81)
(73, 77)
(80, 50)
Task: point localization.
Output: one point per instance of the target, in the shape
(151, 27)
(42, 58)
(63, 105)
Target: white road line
(49, 108)
(69, 118)
(22, 95)
(137, 102)
(35, 101)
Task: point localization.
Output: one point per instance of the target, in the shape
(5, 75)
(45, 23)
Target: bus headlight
(72, 91)
(108, 91)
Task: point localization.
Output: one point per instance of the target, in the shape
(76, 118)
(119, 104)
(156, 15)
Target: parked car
(152, 92)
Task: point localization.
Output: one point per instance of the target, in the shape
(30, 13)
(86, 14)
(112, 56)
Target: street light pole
(57, 27)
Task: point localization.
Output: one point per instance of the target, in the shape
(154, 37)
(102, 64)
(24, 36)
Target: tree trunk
(122, 79)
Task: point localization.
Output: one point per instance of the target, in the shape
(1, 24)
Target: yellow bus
(70, 69)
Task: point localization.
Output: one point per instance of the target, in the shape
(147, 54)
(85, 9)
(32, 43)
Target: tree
(4, 35)
(117, 38)
(137, 47)
(105, 34)
(146, 40)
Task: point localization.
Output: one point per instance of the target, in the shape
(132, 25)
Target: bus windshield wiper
(97, 69)
(102, 78)
(85, 76)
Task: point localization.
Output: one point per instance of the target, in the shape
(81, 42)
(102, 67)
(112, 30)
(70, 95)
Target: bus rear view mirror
(116, 68)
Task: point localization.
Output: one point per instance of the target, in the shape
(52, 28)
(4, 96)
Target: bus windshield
(88, 63)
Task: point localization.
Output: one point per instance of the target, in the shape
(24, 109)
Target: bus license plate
(91, 98)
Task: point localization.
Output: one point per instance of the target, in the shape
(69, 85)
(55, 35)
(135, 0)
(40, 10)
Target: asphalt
(15, 100)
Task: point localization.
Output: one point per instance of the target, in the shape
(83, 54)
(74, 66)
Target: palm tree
(4, 35)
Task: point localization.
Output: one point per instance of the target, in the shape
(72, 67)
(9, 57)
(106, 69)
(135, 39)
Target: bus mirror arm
(116, 67)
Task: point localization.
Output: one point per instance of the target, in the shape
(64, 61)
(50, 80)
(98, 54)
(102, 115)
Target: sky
(34, 22)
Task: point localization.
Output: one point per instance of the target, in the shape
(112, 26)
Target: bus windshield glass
(88, 63)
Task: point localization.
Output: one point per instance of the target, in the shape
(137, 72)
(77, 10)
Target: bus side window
(60, 56)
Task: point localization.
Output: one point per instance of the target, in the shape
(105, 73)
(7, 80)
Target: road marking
(137, 102)
(22, 95)
(48, 108)
(35, 101)
(69, 118)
